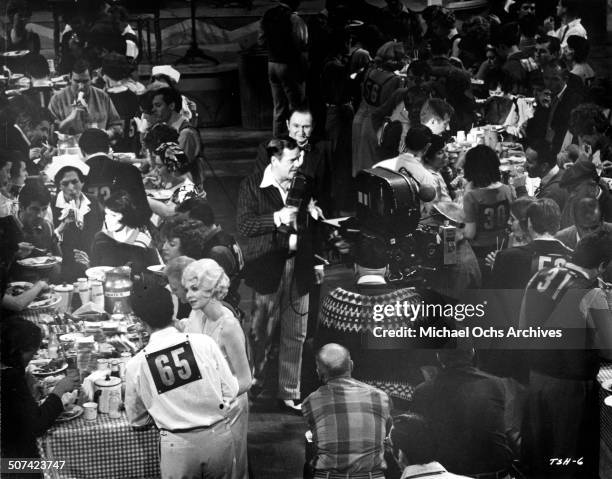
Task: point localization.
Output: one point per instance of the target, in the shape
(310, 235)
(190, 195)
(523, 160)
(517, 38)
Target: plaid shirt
(348, 420)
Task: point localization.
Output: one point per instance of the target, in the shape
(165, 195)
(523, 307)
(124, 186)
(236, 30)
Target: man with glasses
(80, 105)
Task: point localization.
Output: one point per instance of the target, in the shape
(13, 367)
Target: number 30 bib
(173, 367)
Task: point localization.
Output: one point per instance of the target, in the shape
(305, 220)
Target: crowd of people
(354, 87)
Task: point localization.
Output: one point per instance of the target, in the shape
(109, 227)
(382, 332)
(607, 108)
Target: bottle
(53, 347)
(84, 291)
(113, 405)
(97, 293)
(115, 368)
(448, 232)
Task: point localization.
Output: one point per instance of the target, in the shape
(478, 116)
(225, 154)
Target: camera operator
(348, 318)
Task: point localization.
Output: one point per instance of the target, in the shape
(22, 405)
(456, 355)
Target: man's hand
(490, 259)
(315, 211)
(288, 215)
(66, 385)
(519, 180)
(25, 250)
(549, 24)
(319, 274)
(41, 286)
(81, 257)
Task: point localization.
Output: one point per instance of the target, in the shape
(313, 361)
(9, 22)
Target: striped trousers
(288, 310)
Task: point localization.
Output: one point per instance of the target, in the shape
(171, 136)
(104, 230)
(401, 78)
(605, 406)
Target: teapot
(104, 390)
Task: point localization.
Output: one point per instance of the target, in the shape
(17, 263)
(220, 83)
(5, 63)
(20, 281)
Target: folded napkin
(89, 307)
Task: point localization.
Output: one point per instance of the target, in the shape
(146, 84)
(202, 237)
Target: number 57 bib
(173, 367)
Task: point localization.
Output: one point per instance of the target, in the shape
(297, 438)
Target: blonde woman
(207, 284)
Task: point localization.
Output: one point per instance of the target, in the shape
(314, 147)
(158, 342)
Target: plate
(161, 195)
(40, 262)
(16, 53)
(157, 269)
(48, 300)
(18, 287)
(37, 364)
(607, 385)
(70, 337)
(98, 272)
(124, 156)
(66, 416)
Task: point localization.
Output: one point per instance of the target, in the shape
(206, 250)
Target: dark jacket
(568, 236)
(107, 176)
(553, 190)
(466, 406)
(265, 247)
(537, 126)
(22, 418)
(108, 252)
(281, 32)
(75, 238)
(515, 266)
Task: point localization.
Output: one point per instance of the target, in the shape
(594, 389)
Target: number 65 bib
(173, 367)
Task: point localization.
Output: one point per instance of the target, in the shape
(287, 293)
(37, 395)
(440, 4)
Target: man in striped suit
(279, 265)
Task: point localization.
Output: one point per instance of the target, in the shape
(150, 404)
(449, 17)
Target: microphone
(297, 190)
(295, 196)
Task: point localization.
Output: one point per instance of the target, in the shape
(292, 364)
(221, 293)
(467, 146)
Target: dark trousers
(339, 130)
(288, 91)
(563, 423)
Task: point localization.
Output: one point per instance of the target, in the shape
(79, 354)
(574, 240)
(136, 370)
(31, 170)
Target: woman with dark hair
(125, 237)
(434, 160)
(22, 418)
(78, 218)
(576, 53)
(176, 174)
(183, 237)
(486, 202)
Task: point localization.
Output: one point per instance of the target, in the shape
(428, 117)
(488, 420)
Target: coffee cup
(90, 411)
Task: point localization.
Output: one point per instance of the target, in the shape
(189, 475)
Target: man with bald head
(349, 420)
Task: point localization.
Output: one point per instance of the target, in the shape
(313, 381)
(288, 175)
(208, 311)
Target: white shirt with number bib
(181, 381)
